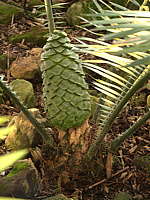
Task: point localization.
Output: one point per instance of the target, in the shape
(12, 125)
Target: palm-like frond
(59, 14)
(121, 63)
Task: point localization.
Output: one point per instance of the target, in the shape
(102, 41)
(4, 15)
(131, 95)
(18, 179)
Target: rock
(35, 36)
(24, 91)
(123, 196)
(7, 11)
(22, 181)
(78, 9)
(3, 62)
(27, 67)
(24, 134)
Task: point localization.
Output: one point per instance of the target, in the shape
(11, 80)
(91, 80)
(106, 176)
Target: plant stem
(120, 139)
(50, 18)
(46, 138)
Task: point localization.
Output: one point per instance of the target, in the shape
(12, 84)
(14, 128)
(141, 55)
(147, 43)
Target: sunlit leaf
(106, 93)
(10, 198)
(108, 108)
(109, 84)
(108, 102)
(5, 131)
(110, 77)
(3, 119)
(8, 159)
(106, 88)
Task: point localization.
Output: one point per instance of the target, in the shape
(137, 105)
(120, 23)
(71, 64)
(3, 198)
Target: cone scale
(67, 102)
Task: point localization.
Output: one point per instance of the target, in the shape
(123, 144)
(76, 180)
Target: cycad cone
(67, 102)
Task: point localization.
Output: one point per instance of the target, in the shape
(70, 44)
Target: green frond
(120, 58)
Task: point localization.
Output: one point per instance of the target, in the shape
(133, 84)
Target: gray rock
(24, 91)
(23, 181)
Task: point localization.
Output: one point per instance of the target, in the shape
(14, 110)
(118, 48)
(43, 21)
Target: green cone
(67, 102)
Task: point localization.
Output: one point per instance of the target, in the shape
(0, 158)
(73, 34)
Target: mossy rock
(7, 11)
(78, 9)
(3, 62)
(23, 181)
(36, 36)
(18, 166)
(24, 91)
(123, 196)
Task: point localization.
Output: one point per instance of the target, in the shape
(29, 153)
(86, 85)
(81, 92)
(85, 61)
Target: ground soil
(126, 175)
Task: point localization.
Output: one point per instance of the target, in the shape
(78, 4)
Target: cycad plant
(67, 103)
(122, 44)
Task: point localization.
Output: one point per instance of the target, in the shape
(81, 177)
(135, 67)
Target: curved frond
(120, 58)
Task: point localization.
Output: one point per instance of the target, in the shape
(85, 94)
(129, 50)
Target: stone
(123, 196)
(35, 36)
(27, 67)
(24, 91)
(22, 181)
(7, 11)
(78, 9)
(24, 134)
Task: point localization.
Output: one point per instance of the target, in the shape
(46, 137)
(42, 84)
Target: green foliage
(122, 47)
(36, 36)
(7, 11)
(67, 102)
